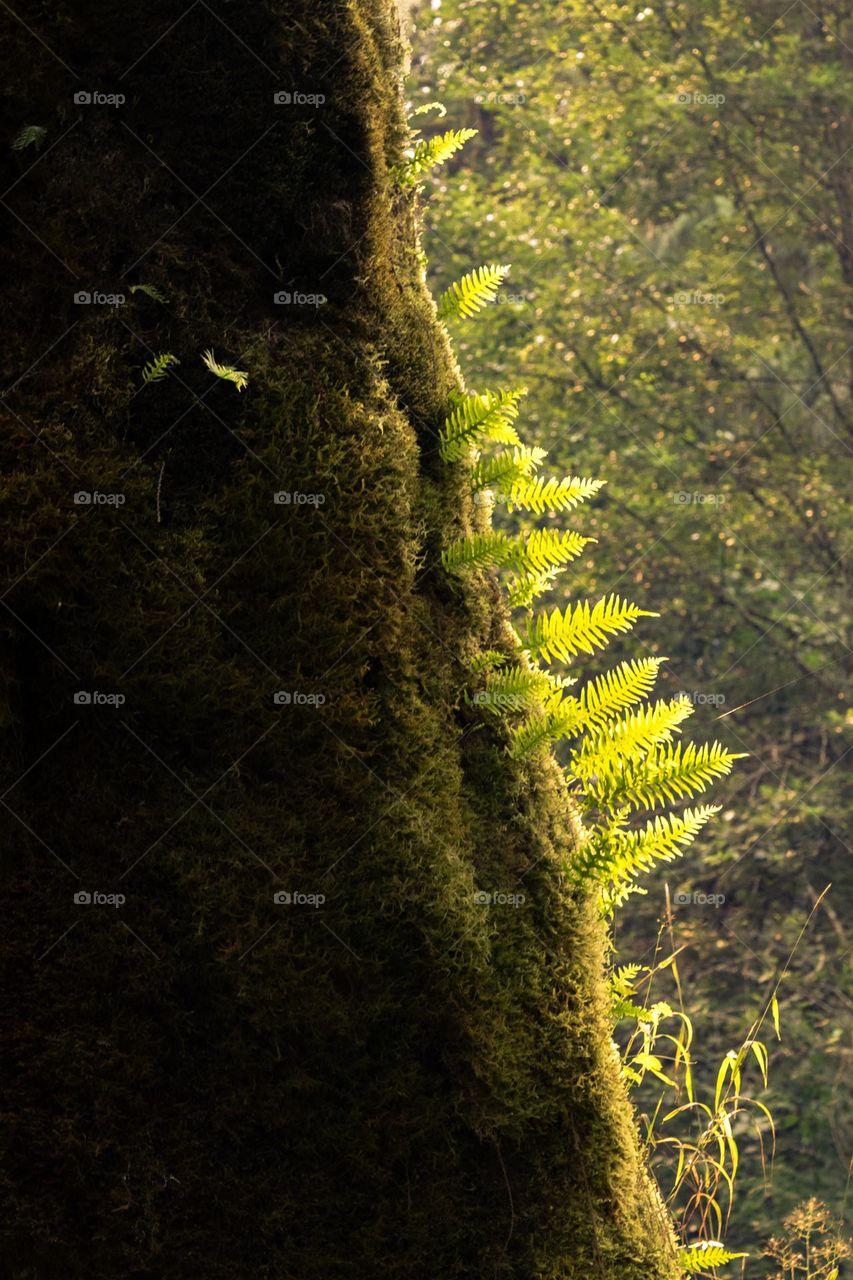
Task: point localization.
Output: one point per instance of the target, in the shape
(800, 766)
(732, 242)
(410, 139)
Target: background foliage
(673, 189)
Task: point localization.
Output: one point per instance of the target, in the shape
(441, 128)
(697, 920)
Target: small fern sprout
(474, 291)
(150, 291)
(155, 370)
(226, 372)
(699, 1257)
(32, 135)
(427, 153)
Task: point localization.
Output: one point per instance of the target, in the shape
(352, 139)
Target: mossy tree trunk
(400, 1080)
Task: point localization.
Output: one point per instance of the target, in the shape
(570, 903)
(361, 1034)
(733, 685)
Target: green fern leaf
(615, 857)
(469, 295)
(429, 152)
(155, 370)
(226, 371)
(706, 1253)
(549, 493)
(616, 690)
(523, 589)
(627, 738)
(480, 417)
(506, 469)
(487, 661)
(548, 549)
(150, 291)
(32, 135)
(582, 629)
(555, 719)
(670, 772)
(479, 551)
(426, 107)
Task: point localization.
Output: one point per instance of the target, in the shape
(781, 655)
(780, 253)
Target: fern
(548, 549)
(556, 719)
(469, 295)
(506, 469)
(150, 291)
(515, 688)
(704, 1254)
(582, 629)
(524, 589)
(32, 135)
(616, 690)
(669, 772)
(226, 371)
(155, 370)
(480, 417)
(480, 550)
(551, 493)
(630, 736)
(616, 856)
(429, 152)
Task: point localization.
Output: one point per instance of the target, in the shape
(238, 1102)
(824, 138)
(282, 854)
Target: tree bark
(261, 1022)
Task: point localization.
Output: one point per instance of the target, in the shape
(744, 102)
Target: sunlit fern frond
(150, 291)
(506, 469)
(475, 418)
(226, 372)
(669, 772)
(427, 153)
(550, 493)
(155, 370)
(474, 291)
(581, 629)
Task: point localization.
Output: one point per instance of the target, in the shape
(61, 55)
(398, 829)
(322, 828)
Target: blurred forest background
(673, 188)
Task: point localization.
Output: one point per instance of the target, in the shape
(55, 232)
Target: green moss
(403, 1082)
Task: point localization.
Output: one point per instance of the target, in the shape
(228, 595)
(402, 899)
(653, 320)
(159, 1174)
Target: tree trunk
(262, 1023)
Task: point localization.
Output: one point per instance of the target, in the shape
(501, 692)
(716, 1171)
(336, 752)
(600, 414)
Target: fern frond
(704, 1254)
(487, 661)
(616, 856)
(549, 493)
(480, 550)
(426, 107)
(507, 468)
(156, 369)
(226, 371)
(150, 291)
(429, 152)
(516, 688)
(548, 549)
(608, 694)
(626, 739)
(32, 135)
(582, 629)
(480, 417)
(526, 587)
(469, 295)
(670, 772)
(556, 719)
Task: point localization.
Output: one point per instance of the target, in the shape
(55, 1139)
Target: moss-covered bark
(403, 1081)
